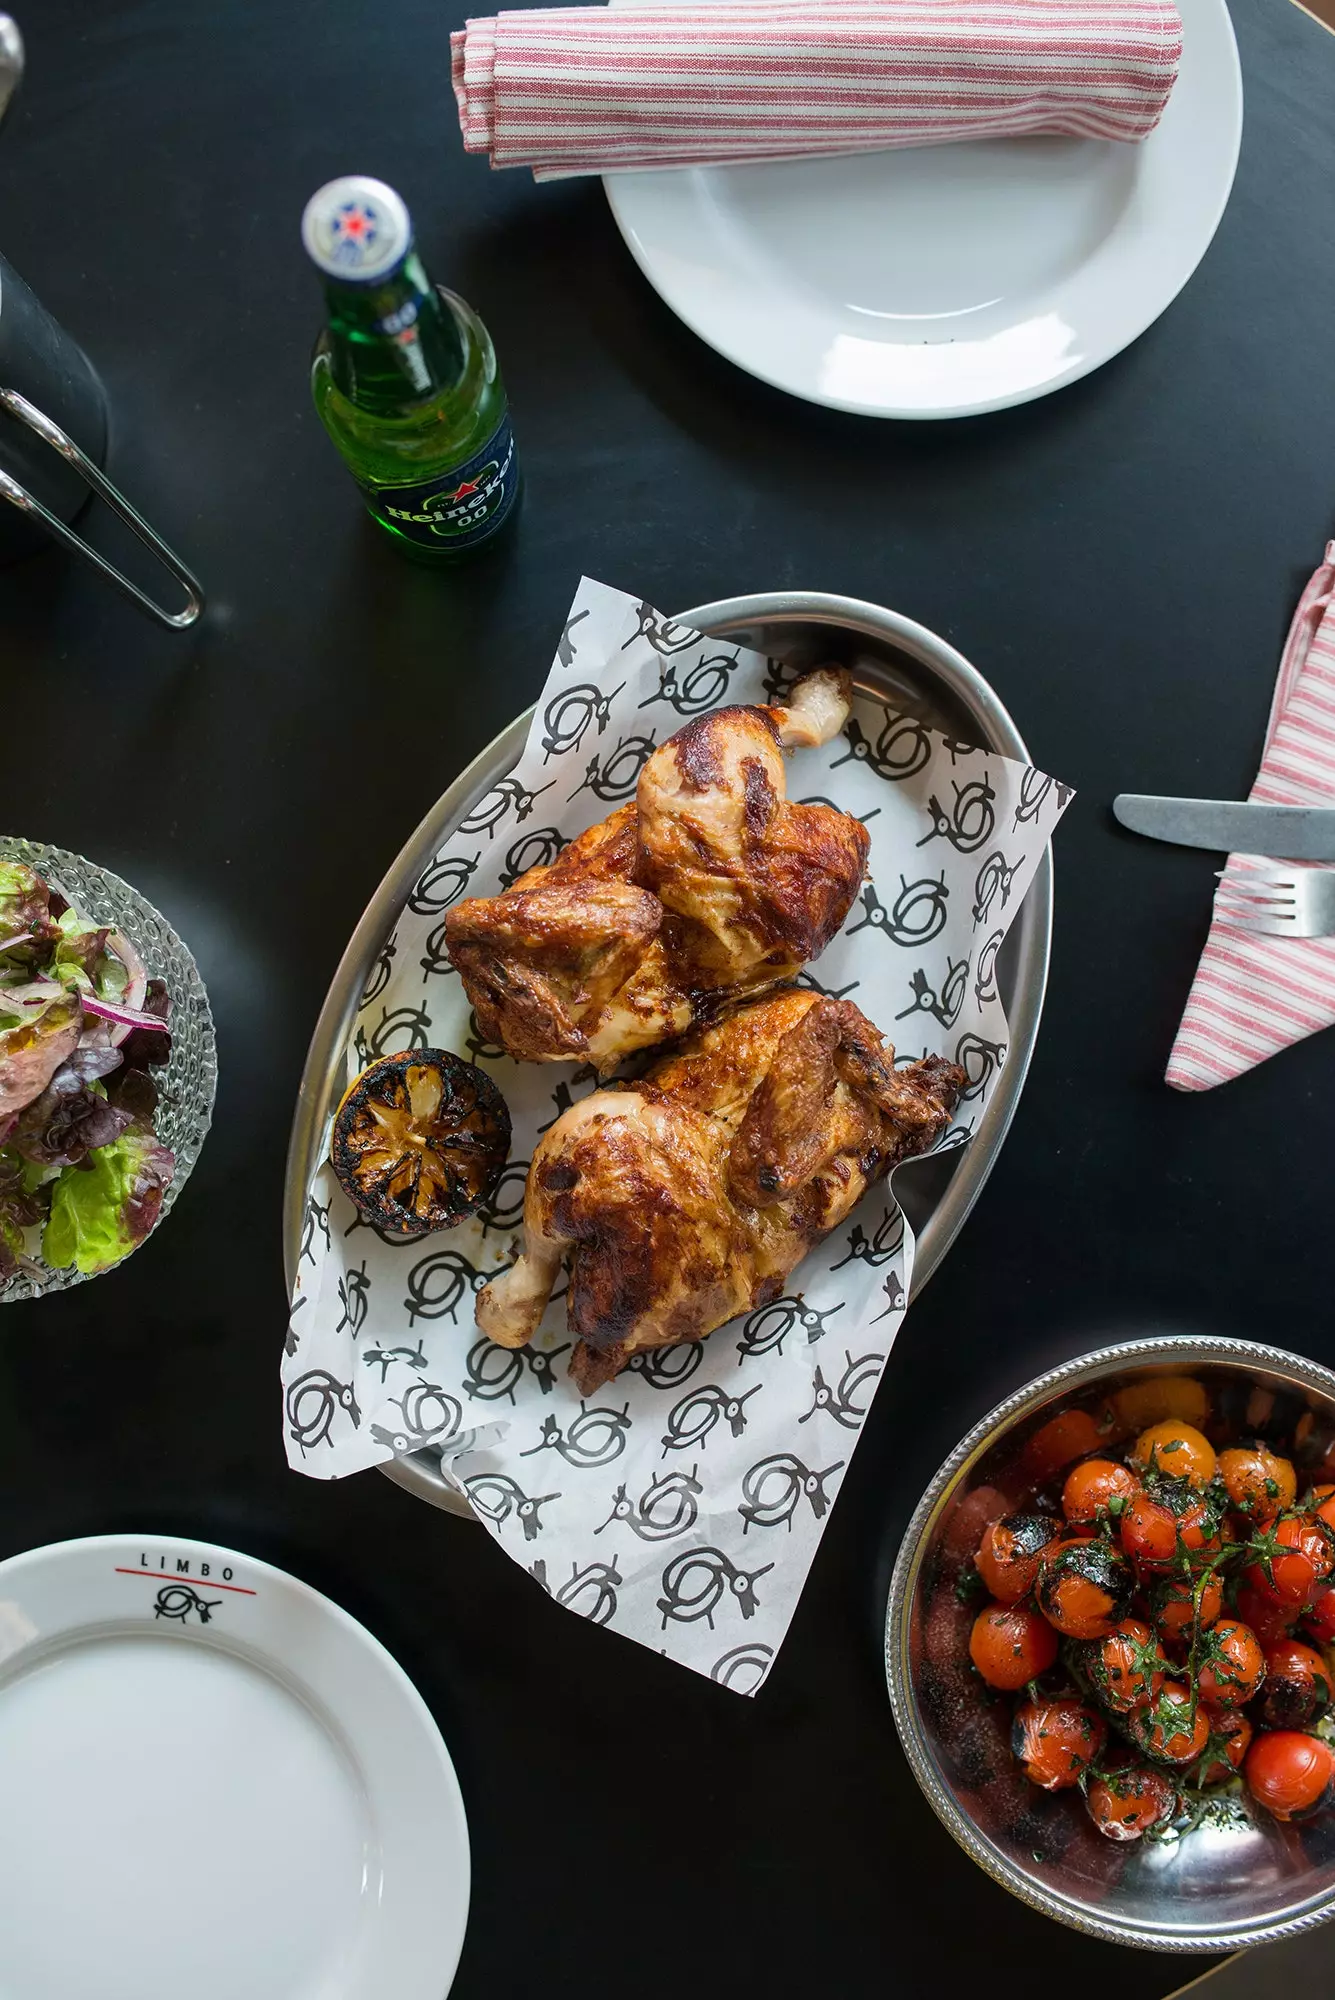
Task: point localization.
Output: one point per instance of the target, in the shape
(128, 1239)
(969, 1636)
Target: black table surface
(1120, 559)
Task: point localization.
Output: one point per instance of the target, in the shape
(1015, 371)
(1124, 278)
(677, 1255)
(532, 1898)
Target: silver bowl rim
(1181, 1350)
(1033, 924)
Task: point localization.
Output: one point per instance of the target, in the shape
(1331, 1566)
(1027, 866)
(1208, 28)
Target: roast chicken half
(689, 1196)
(710, 885)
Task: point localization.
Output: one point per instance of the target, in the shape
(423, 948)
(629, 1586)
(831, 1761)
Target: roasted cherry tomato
(1158, 1396)
(1258, 1484)
(1010, 1552)
(1177, 1450)
(1125, 1804)
(1196, 1587)
(1232, 1665)
(1010, 1645)
(1071, 1434)
(1230, 1734)
(1084, 1588)
(1319, 1617)
(1127, 1667)
(1172, 1727)
(1268, 1618)
(1093, 1485)
(1056, 1741)
(1179, 1602)
(1158, 1537)
(1289, 1773)
(1297, 1686)
(1295, 1554)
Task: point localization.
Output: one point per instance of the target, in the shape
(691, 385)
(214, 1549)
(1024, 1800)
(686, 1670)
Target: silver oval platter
(896, 661)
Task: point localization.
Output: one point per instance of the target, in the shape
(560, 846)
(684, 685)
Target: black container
(39, 360)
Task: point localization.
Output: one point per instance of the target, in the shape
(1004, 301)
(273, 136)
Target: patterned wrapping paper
(683, 1503)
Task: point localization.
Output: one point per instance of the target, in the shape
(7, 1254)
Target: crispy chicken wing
(690, 1196)
(710, 884)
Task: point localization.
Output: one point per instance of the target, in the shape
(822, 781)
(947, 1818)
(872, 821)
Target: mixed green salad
(82, 1175)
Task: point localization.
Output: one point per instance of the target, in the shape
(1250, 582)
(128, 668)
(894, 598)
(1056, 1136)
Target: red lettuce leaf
(70, 1119)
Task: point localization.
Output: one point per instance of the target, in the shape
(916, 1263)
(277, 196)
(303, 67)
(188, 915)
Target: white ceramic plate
(214, 1783)
(947, 280)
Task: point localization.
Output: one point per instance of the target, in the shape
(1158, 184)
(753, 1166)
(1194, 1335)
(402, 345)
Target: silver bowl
(1219, 1888)
(188, 1084)
(902, 662)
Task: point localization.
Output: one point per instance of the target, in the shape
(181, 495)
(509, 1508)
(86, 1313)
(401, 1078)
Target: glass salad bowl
(187, 1084)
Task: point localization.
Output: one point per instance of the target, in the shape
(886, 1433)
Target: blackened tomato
(1010, 1552)
(1084, 1588)
(1056, 1741)
(1297, 1686)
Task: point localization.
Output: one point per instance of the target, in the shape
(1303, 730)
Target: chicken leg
(691, 1196)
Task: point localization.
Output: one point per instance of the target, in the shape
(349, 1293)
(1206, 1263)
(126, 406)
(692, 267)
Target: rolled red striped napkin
(589, 90)
(1254, 995)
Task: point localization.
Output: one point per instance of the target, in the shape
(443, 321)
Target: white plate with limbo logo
(214, 1783)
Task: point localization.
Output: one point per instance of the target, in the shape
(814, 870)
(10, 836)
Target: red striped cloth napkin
(589, 90)
(1255, 995)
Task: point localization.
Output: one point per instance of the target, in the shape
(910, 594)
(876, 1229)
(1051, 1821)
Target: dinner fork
(1280, 901)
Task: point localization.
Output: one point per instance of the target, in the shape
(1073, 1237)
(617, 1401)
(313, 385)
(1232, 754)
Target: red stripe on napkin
(1255, 995)
(583, 90)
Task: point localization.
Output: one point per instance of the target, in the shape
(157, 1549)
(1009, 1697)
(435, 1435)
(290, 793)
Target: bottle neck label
(401, 328)
(395, 344)
(458, 509)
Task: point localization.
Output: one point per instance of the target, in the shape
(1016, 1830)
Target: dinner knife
(1289, 833)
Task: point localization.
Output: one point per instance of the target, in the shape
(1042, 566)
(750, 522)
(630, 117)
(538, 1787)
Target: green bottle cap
(356, 228)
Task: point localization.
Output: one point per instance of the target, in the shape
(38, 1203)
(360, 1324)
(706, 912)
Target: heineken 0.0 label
(405, 380)
(463, 509)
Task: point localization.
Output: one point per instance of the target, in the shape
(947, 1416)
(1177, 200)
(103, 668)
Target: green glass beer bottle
(405, 380)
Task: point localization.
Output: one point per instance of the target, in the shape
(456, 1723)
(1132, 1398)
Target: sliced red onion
(134, 992)
(124, 1017)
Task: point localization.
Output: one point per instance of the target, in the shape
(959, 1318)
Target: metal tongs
(22, 411)
(18, 496)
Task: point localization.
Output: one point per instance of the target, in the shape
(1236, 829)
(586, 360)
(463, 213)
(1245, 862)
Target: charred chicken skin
(710, 885)
(689, 1197)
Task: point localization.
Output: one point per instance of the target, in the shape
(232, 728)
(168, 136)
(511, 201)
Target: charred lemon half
(419, 1141)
